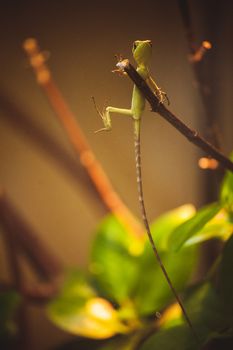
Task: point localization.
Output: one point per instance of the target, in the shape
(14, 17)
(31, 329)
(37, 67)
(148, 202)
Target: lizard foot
(162, 96)
(107, 127)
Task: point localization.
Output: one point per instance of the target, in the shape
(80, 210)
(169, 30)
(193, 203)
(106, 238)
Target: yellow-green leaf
(79, 311)
(192, 226)
(114, 264)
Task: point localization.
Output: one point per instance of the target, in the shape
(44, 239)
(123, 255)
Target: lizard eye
(134, 45)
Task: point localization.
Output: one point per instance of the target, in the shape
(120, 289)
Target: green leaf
(74, 294)
(192, 226)
(226, 192)
(206, 311)
(153, 293)
(114, 264)
(218, 227)
(175, 338)
(128, 342)
(9, 302)
(225, 277)
(79, 311)
(207, 316)
(163, 226)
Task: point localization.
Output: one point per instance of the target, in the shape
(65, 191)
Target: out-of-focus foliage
(114, 265)
(124, 293)
(152, 284)
(193, 226)
(226, 194)
(78, 310)
(9, 301)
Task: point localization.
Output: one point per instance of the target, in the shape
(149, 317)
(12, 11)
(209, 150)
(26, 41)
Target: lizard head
(142, 50)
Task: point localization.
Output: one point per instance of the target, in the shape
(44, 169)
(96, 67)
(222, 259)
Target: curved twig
(156, 106)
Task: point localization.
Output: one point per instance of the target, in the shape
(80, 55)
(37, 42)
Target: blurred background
(80, 40)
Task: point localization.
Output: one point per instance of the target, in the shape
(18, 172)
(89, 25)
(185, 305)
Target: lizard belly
(138, 103)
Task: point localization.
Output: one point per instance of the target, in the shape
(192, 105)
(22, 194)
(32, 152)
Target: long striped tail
(146, 223)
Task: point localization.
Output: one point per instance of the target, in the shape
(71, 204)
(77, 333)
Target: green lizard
(142, 51)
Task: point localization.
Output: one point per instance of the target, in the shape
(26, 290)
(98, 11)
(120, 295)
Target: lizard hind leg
(106, 116)
(159, 93)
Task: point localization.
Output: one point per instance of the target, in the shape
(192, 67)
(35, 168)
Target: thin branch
(16, 274)
(77, 139)
(201, 65)
(185, 14)
(13, 259)
(156, 106)
(46, 264)
(20, 239)
(36, 293)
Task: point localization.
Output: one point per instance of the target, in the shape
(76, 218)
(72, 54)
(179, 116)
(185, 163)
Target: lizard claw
(119, 69)
(97, 109)
(162, 96)
(103, 129)
(107, 126)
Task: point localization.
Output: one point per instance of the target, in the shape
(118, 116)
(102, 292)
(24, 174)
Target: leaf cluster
(123, 300)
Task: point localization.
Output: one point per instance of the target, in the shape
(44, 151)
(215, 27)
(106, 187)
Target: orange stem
(77, 139)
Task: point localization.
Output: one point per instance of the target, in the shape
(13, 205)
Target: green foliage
(9, 301)
(225, 278)
(211, 221)
(153, 284)
(179, 272)
(226, 193)
(124, 291)
(175, 338)
(78, 310)
(190, 227)
(75, 292)
(163, 226)
(114, 264)
(206, 311)
(117, 266)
